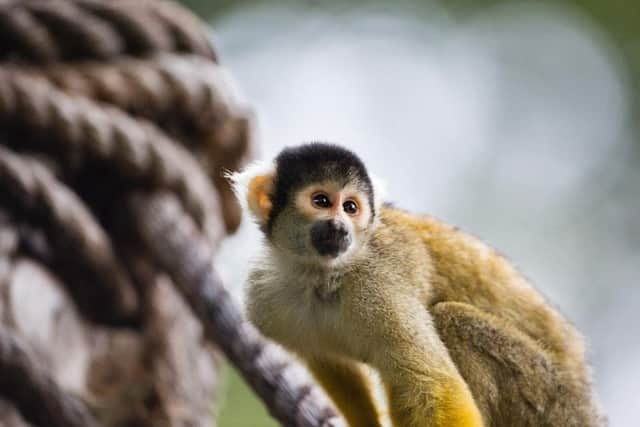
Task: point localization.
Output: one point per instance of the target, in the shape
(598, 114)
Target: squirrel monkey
(457, 335)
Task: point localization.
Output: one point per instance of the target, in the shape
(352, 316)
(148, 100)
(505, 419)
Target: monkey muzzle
(330, 238)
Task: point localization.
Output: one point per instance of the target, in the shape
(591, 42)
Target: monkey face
(315, 203)
(324, 223)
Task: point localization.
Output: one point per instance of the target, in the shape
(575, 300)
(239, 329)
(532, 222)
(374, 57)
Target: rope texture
(57, 30)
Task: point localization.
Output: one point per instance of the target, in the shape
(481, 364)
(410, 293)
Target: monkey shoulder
(461, 265)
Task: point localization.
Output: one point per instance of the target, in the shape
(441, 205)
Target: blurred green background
(519, 118)
(239, 407)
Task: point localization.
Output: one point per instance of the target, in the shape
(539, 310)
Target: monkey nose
(340, 230)
(330, 238)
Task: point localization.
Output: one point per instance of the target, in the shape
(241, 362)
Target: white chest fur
(299, 308)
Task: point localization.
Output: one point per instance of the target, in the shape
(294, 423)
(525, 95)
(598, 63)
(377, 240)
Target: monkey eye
(321, 201)
(350, 207)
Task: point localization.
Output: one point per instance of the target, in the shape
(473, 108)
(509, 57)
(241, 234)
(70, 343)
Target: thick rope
(174, 243)
(37, 397)
(53, 30)
(187, 30)
(134, 149)
(82, 250)
(168, 88)
(190, 97)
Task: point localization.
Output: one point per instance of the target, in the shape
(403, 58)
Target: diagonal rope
(172, 240)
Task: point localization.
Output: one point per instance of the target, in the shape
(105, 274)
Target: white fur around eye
(240, 180)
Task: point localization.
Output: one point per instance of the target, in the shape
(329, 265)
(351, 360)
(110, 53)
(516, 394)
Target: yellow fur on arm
(436, 400)
(349, 388)
(423, 385)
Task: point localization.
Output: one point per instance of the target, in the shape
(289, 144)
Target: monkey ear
(253, 187)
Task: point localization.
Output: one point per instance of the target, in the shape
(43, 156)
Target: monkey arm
(424, 388)
(420, 397)
(513, 379)
(350, 389)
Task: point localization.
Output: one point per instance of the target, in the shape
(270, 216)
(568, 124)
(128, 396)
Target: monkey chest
(316, 315)
(335, 321)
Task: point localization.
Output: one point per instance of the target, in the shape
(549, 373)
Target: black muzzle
(330, 238)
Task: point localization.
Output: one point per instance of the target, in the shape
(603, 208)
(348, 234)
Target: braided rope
(132, 21)
(41, 31)
(178, 92)
(173, 242)
(134, 149)
(187, 30)
(99, 281)
(187, 95)
(188, 89)
(21, 33)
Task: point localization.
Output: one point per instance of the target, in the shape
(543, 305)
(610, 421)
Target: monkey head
(315, 203)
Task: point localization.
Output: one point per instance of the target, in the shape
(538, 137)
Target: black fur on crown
(297, 167)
